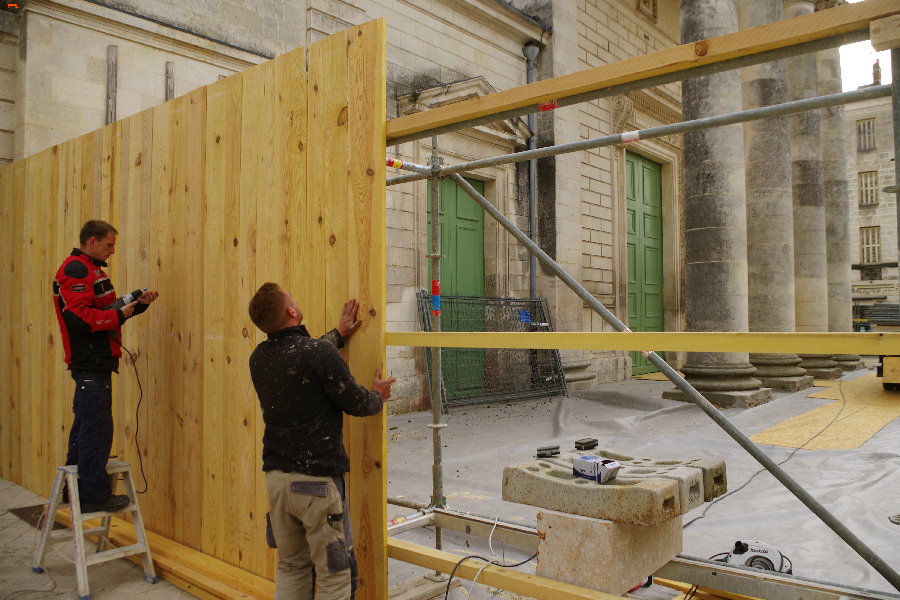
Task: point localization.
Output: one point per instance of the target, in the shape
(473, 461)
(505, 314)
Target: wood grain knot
(245, 422)
(370, 172)
(300, 146)
(144, 254)
(332, 240)
(235, 242)
(701, 48)
(320, 218)
(50, 340)
(316, 87)
(245, 333)
(377, 464)
(218, 137)
(372, 312)
(343, 117)
(228, 359)
(359, 33)
(84, 186)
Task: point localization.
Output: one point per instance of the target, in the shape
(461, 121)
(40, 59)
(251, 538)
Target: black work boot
(112, 504)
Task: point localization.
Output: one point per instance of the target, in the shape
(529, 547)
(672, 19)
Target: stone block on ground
(600, 554)
(636, 501)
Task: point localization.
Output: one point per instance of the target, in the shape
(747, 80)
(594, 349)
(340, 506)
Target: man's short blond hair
(267, 307)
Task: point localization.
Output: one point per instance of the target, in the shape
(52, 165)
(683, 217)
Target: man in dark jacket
(304, 387)
(91, 331)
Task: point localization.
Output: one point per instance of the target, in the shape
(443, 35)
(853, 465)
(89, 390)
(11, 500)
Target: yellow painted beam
(806, 343)
(510, 580)
(815, 26)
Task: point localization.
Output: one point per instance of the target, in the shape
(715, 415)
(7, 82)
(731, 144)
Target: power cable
(790, 456)
(137, 420)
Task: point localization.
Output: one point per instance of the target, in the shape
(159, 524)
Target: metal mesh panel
(478, 375)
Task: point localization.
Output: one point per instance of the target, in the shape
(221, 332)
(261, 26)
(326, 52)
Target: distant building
(873, 213)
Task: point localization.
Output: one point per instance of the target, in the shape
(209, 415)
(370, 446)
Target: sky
(857, 60)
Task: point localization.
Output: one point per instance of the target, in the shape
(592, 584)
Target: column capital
(823, 4)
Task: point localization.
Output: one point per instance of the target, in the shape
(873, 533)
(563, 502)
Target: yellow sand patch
(654, 376)
(825, 383)
(867, 410)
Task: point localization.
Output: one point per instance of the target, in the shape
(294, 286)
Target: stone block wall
(884, 213)
(9, 39)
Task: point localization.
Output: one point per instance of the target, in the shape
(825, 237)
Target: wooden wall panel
(262, 176)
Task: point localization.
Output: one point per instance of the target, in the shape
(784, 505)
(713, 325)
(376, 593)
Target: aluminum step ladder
(105, 551)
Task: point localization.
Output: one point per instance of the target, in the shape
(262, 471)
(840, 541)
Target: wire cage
(479, 375)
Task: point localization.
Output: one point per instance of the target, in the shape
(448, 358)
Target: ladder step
(103, 513)
(114, 553)
(66, 534)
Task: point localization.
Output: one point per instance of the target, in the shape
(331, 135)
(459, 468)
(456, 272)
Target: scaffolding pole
(777, 110)
(437, 375)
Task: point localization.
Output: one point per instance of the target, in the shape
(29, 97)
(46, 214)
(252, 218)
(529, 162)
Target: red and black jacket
(81, 289)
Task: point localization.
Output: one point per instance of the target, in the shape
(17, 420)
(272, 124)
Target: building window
(865, 135)
(870, 245)
(868, 187)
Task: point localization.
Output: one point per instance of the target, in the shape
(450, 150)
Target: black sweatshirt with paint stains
(304, 386)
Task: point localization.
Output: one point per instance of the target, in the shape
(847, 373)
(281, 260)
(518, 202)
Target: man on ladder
(90, 321)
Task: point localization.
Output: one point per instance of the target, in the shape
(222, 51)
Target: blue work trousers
(90, 440)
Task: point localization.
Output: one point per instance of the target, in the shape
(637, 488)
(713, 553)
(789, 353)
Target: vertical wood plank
(125, 281)
(223, 134)
(328, 189)
(170, 81)
(161, 497)
(31, 298)
(365, 438)
(16, 281)
(241, 335)
(193, 294)
(7, 360)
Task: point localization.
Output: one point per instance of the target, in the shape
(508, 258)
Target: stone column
(810, 262)
(770, 220)
(715, 219)
(837, 200)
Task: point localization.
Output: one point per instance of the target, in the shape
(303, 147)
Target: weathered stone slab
(715, 483)
(623, 500)
(603, 555)
(690, 480)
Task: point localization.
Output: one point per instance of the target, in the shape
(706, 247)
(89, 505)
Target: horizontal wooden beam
(774, 36)
(510, 580)
(805, 343)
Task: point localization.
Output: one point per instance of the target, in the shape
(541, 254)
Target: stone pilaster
(770, 221)
(810, 261)
(715, 219)
(837, 199)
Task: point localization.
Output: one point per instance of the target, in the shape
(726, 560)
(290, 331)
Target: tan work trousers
(307, 520)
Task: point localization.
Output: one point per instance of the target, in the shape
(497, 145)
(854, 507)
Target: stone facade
(53, 86)
(877, 281)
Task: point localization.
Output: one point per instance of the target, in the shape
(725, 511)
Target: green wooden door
(643, 190)
(462, 274)
(462, 240)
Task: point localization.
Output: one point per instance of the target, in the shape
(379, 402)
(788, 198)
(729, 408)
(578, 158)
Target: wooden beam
(510, 580)
(806, 343)
(112, 71)
(815, 26)
(885, 33)
(170, 81)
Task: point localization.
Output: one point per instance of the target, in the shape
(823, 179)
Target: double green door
(462, 274)
(643, 190)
